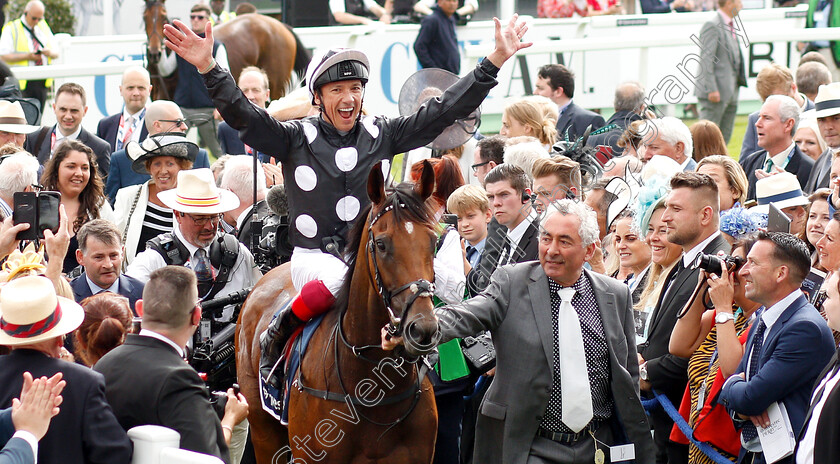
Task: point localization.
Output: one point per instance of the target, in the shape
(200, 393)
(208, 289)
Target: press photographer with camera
(713, 339)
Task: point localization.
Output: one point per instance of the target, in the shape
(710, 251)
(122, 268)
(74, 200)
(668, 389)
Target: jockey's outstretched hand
(508, 40)
(198, 51)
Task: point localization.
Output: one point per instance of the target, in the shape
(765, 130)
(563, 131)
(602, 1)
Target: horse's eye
(380, 245)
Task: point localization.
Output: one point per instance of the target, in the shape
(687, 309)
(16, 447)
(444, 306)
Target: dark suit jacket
(515, 308)
(130, 288)
(147, 383)
(100, 148)
(229, 140)
(795, 350)
(826, 445)
(575, 119)
(109, 127)
(820, 174)
(15, 450)
(85, 431)
(799, 165)
(668, 373)
(121, 174)
(750, 143)
(527, 250)
(244, 233)
(622, 119)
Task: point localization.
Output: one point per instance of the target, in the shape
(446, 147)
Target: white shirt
(94, 289)
(515, 235)
(805, 453)
(136, 126)
(780, 159)
(59, 136)
(151, 334)
(7, 40)
(691, 255)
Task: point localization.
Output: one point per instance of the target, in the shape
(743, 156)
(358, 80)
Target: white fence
(159, 445)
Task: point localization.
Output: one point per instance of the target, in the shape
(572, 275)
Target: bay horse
(351, 401)
(250, 40)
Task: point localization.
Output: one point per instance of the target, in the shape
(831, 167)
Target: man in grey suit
(542, 408)
(721, 73)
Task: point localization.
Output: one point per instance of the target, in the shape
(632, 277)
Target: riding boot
(313, 300)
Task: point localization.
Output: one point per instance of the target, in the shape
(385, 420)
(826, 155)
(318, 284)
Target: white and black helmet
(337, 64)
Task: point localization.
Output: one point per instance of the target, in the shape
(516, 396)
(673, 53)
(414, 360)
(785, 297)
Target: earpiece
(526, 197)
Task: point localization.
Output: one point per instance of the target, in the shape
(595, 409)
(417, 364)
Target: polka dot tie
(574, 376)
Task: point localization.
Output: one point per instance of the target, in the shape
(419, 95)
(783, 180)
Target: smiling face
(830, 130)
(832, 301)
(728, 196)
(761, 272)
(101, 261)
(662, 251)
(69, 112)
(164, 171)
(633, 252)
(342, 102)
(561, 249)
(828, 247)
(818, 219)
(73, 174)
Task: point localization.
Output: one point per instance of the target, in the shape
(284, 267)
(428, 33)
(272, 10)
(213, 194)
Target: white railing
(154, 444)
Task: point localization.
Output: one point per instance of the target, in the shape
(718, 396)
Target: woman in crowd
(828, 247)
(729, 176)
(523, 117)
(818, 219)
(72, 171)
(714, 342)
(663, 254)
(631, 140)
(818, 439)
(107, 320)
(708, 140)
(808, 138)
(140, 214)
(633, 255)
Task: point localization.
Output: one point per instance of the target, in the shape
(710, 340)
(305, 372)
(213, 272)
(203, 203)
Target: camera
(711, 263)
(274, 247)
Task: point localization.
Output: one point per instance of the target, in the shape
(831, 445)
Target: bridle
(419, 288)
(156, 76)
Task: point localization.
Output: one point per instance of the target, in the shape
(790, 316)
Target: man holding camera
(147, 381)
(692, 217)
(788, 345)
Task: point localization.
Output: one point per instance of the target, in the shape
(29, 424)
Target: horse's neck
(366, 313)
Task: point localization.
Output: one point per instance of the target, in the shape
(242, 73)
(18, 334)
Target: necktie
(203, 272)
(731, 29)
(470, 253)
(506, 252)
(768, 165)
(749, 432)
(35, 47)
(574, 376)
(130, 129)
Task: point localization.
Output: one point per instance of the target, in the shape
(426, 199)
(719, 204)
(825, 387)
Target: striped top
(158, 220)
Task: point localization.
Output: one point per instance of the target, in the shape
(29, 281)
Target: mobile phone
(451, 219)
(26, 212)
(777, 221)
(48, 203)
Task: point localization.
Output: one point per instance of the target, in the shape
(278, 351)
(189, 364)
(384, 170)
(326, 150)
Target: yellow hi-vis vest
(23, 42)
(223, 18)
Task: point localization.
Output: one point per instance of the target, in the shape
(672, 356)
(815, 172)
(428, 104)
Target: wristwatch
(643, 372)
(723, 318)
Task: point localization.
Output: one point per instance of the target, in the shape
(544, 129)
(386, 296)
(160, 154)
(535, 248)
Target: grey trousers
(545, 451)
(721, 113)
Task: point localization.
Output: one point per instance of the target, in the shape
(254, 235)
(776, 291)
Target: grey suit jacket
(820, 174)
(721, 61)
(516, 309)
(15, 450)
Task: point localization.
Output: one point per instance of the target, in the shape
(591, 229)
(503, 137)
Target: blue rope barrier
(672, 412)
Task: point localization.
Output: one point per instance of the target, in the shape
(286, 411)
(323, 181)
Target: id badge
(622, 453)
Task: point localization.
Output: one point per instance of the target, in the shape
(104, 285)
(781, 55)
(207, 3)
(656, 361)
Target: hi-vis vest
(223, 18)
(23, 42)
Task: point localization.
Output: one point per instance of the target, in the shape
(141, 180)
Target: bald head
(135, 88)
(160, 115)
(629, 96)
(33, 13)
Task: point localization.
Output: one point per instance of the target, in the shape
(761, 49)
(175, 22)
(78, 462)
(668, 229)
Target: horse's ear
(376, 184)
(426, 186)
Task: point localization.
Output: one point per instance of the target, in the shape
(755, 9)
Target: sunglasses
(202, 221)
(198, 17)
(176, 122)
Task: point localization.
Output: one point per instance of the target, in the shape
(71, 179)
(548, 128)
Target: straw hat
(30, 312)
(13, 119)
(781, 189)
(827, 102)
(174, 144)
(197, 193)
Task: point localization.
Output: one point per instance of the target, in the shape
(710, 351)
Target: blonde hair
(467, 197)
(807, 121)
(530, 114)
(734, 174)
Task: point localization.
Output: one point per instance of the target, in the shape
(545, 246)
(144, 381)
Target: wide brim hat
(197, 193)
(31, 312)
(153, 146)
(429, 83)
(827, 102)
(781, 189)
(13, 118)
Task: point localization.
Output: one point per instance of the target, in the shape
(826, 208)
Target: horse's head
(400, 247)
(154, 17)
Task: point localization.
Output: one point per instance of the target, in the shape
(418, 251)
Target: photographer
(713, 340)
(147, 380)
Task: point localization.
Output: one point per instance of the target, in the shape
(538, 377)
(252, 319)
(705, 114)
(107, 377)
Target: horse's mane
(407, 206)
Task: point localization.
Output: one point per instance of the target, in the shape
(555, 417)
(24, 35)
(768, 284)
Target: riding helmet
(337, 64)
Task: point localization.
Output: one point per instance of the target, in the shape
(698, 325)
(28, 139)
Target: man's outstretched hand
(508, 40)
(198, 51)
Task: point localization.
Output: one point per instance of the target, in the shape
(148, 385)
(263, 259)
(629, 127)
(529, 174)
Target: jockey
(326, 158)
